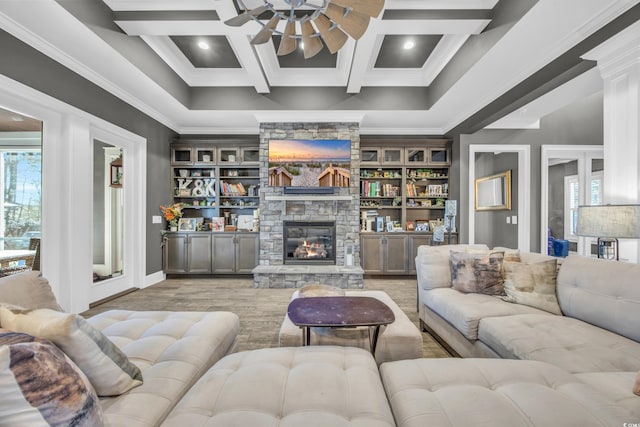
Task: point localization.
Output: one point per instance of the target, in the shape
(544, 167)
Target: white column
(619, 63)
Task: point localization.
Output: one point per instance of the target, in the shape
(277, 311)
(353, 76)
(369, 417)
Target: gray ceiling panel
(219, 55)
(394, 55)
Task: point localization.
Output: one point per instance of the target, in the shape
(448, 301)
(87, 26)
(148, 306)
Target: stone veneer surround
(275, 207)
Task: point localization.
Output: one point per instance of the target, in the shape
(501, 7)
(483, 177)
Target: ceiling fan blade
(354, 24)
(287, 43)
(245, 17)
(265, 34)
(366, 7)
(312, 45)
(334, 38)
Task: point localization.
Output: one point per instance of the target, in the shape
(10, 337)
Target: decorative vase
(173, 228)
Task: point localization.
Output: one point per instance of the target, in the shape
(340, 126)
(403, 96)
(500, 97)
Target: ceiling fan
(334, 20)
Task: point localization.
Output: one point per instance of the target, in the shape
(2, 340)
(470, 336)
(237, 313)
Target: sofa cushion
(107, 367)
(41, 386)
(28, 290)
(398, 340)
(532, 284)
(477, 272)
(603, 293)
(463, 392)
(464, 311)
(173, 350)
(616, 385)
(432, 264)
(315, 386)
(569, 343)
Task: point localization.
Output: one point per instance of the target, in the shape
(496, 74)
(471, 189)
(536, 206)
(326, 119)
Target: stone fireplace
(309, 242)
(341, 208)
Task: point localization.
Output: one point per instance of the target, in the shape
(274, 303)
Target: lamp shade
(615, 221)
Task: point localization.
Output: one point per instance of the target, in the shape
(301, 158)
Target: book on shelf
(376, 189)
(233, 189)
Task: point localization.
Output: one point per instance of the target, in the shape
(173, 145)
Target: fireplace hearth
(309, 242)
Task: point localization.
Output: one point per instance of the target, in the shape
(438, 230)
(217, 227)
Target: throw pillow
(532, 284)
(636, 386)
(28, 289)
(107, 367)
(40, 385)
(477, 272)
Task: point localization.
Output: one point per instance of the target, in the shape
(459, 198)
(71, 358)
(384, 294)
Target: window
(21, 204)
(572, 201)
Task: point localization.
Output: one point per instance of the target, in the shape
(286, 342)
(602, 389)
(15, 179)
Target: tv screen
(309, 162)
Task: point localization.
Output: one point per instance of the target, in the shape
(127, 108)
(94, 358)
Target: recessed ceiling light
(203, 45)
(409, 44)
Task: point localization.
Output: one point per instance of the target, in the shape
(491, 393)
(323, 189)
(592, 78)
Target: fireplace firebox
(309, 242)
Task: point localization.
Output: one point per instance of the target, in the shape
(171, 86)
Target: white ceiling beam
(439, 4)
(149, 5)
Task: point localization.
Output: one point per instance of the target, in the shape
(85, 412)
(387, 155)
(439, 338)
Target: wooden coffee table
(340, 312)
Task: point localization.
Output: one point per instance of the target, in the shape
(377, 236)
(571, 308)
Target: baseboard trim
(153, 278)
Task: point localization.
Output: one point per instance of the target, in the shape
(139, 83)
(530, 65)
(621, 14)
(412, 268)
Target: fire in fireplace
(309, 242)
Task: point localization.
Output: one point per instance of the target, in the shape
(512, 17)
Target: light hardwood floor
(261, 311)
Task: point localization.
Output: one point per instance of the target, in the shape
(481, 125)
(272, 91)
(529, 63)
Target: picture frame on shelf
(187, 224)
(422, 226)
(411, 226)
(217, 223)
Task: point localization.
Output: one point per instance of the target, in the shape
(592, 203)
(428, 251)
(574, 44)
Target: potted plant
(172, 214)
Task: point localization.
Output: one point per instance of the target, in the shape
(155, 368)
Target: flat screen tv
(309, 163)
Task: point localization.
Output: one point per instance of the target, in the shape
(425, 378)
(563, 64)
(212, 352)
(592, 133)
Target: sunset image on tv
(309, 163)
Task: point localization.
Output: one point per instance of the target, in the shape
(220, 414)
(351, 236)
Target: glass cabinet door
(416, 155)
(205, 155)
(370, 155)
(182, 155)
(439, 156)
(228, 155)
(392, 156)
(250, 155)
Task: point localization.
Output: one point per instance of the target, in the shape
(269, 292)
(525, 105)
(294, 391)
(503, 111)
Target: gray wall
(491, 227)
(580, 123)
(38, 71)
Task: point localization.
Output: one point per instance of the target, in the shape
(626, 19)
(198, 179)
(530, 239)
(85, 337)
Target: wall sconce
(609, 223)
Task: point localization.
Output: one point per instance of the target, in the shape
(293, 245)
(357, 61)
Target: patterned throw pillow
(477, 272)
(108, 368)
(41, 386)
(532, 284)
(636, 386)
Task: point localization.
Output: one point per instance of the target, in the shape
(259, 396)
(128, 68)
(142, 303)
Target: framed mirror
(493, 192)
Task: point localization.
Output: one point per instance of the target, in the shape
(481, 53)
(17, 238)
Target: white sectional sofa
(171, 349)
(599, 330)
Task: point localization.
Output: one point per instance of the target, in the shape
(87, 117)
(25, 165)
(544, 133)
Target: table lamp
(609, 223)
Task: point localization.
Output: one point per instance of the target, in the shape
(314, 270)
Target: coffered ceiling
(473, 61)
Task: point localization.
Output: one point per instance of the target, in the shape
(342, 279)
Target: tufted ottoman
(288, 387)
(398, 340)
(497, 393)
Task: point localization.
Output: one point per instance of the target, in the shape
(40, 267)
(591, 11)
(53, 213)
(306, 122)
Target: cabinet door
(224, 256)
(228, 156)
(246, 252)
(415, 241)
(439, 156)
(370, 156)
(250, 155)
(199, 253)
(181, 155)
(174, 253)
(372, 253)
(416, 156)
(392, 156)
(204, 156)
(396, 254)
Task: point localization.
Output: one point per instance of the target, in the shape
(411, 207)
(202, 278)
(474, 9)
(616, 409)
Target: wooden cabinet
(383, 253)
(235, 252)
(403, 184)
(207, 253)
(187, 253)
(216, 178)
